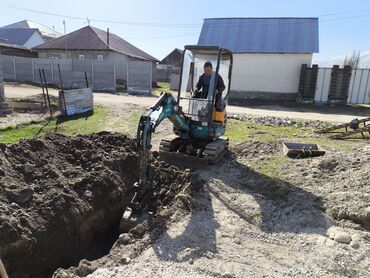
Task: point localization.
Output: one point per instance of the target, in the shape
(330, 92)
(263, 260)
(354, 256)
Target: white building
(46, 32)
(268, 53)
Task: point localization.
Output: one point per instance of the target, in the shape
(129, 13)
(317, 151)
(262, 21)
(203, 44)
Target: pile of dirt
(343, 182)
(58, 193)
(39, 98)
(255, 149)
(340, 179)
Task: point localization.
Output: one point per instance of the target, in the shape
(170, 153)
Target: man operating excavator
(203, 84)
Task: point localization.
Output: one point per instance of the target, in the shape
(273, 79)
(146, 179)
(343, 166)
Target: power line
(149, 24)
(172, 25)
(347, 17)
(164, 37)
(185, 25)
(340, 13)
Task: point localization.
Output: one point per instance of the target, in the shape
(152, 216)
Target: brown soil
(256, 149)
(59, 195)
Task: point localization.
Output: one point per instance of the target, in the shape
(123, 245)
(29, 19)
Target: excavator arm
(165, 107)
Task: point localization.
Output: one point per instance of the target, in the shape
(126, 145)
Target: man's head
(207, 68)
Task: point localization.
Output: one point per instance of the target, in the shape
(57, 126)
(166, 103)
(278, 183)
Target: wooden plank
(339, 126)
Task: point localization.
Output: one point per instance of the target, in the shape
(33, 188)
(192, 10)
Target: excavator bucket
(294, 150)
(183, 161)
(212, 153)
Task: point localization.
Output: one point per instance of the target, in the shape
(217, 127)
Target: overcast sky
(158, 26)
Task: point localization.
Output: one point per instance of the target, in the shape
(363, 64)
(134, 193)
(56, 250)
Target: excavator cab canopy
(194, 58)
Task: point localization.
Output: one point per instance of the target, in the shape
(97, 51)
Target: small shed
(268, 53)
(171, 64)
(17, 51)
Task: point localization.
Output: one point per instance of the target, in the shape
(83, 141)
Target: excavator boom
(165, 107)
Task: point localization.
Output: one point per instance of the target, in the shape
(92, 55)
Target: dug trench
(62, 198)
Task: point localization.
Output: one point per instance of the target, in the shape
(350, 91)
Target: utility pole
(65, 38)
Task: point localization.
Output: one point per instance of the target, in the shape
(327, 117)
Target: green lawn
(274, 165)
(237, 131)
(240, 131)
(83, 124)
(162, 87)
(97, 121)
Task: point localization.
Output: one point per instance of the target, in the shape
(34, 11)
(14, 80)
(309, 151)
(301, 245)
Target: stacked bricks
(307, 83)
(339, 84)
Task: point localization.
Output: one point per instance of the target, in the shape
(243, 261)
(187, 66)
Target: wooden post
(47, 92)
(43, 91)
(62, 90)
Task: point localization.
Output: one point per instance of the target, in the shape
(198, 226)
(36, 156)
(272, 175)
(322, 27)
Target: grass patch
(126, 124)
(245, 131)
(163, 87)
(271, 166)
(241, 131)
(82, 124)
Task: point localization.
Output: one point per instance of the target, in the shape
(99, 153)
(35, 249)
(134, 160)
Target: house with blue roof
(268, 53)
(21, 37)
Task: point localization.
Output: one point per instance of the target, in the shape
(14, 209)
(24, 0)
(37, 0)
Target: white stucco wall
(34, 40)
(274, 73)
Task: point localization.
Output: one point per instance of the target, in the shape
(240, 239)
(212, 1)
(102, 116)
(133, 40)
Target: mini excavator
(198, 123)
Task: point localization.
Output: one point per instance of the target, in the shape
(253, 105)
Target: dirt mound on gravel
(342, 180)
(57, 193)
(256, 149)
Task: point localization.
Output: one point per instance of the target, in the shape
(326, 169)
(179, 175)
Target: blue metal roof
(18, 36)
(262, 35)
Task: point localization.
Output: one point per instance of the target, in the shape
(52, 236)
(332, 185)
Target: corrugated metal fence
(359, 87)
(332, 85)
(358, 91)
(101, 75)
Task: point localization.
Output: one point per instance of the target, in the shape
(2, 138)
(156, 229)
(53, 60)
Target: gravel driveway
(314, 113)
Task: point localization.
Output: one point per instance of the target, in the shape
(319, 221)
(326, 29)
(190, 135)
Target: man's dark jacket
(203, 83)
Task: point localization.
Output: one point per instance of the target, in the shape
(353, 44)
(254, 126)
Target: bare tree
(352, 59)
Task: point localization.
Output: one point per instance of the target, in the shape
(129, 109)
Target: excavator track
(215, 150)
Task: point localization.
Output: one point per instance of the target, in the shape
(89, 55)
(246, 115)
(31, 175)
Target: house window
(100, 58)
(81, 57)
